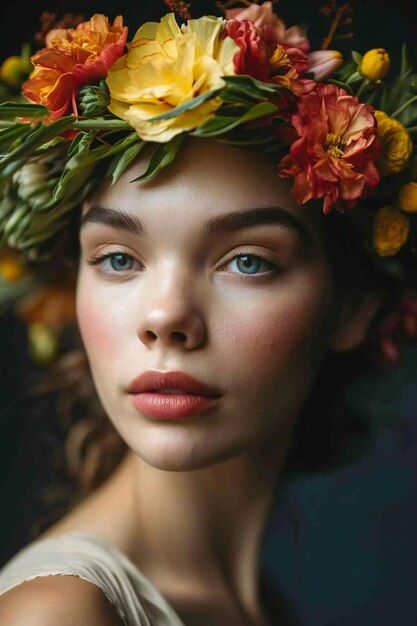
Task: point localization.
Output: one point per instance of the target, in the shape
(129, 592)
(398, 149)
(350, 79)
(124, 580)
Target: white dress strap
(80, 554)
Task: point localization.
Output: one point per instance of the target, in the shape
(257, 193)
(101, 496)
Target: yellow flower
(375, 64)
(14, 70)
(407, 198)
(43, 343)
(396, 144)
(11, 268)
(165, 67)
(391, 230)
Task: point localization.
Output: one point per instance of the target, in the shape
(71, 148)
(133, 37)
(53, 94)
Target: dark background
(377, 23)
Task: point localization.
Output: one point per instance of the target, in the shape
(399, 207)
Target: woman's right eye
(114, 262)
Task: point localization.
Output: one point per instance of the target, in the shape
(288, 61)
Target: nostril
(178, 336)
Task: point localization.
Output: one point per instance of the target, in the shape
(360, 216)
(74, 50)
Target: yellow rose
(375, 64)
(407, 198)
(391, 229)
(396, 144)
(165, 67)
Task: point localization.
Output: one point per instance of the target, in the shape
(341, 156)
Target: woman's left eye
(114, 262)
(251, 264)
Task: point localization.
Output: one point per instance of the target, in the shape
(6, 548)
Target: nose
(170, 317)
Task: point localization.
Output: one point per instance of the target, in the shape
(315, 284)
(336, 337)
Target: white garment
(84, 555)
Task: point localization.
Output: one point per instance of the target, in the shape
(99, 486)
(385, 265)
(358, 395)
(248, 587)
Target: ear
(354, 321)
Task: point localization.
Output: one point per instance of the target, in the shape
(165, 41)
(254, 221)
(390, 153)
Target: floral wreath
(343, 131)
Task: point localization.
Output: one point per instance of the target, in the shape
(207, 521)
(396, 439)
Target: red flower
(270, 26)
(252, 57)
(268, 62)
(74, 57)
(335, 153)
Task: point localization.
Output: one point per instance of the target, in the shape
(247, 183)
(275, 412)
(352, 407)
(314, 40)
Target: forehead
(206, 179)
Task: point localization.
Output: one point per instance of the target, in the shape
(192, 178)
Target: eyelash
(99, 260)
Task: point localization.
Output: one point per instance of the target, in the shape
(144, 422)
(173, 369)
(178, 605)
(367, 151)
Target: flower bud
(93, 100)
(30, 181)
(323, 63)
(407, 198)
(375, 64)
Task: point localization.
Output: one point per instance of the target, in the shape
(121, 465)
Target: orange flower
(74, 57)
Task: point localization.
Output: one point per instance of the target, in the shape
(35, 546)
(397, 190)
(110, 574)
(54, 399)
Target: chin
(179, 454)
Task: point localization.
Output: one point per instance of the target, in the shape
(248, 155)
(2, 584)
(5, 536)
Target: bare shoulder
(61, 599)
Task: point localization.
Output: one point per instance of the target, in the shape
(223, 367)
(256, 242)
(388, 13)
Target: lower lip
(172, 405)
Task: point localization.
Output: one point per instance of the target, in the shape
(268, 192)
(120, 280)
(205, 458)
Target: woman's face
(227, 281)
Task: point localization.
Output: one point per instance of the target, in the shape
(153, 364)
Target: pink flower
(335, 153)
(272, 28)
(324, 63)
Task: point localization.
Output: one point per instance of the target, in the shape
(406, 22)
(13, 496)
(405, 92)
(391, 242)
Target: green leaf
(357, 57)
(77, 171)
(9, 135)
(10, 110)
(254, 88)
(122, 161)
(406, 66)
(81, 141)
(122, 144)
(236, 96)
(111, 124)
(163, 156)
(81, 165)
(40, 135)
(55, 143)
(186, 106)
(218, 125)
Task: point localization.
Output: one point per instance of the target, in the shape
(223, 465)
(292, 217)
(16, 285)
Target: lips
(153, 380)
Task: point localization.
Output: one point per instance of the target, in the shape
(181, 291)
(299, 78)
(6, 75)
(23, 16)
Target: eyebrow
(229, 222)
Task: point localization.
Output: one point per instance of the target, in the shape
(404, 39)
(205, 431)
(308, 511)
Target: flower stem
(404, 106)
(362, 87)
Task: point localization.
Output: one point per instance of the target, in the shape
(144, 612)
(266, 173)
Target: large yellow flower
(165, 67)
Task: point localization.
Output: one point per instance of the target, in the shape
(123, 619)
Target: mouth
(172, 405)
(172, 395)
(174, 383)
(172, 391)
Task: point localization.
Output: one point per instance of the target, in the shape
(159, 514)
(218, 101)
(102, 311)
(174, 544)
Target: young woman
(208, 300)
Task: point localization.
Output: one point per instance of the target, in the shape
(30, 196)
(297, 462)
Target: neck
(202, 529)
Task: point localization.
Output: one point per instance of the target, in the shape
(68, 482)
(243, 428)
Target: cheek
(280, 337)
(99, 324)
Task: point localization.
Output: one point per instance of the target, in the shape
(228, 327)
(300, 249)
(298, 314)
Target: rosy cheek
(95, 324)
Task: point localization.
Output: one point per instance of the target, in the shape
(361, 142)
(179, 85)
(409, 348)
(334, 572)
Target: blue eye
(114, 262)
(120, 262)
(250, 263)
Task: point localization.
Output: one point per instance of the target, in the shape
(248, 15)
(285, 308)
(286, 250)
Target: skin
(184, 300)
(183, 303)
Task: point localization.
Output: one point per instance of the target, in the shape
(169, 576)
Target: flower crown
(341, 130)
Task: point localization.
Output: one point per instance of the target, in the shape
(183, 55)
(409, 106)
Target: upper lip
(153, 380)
